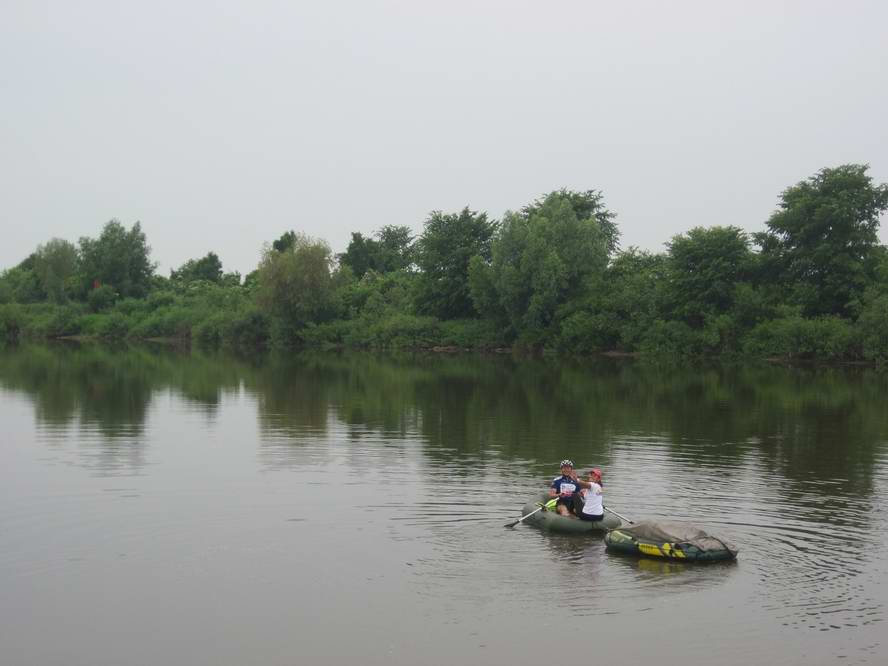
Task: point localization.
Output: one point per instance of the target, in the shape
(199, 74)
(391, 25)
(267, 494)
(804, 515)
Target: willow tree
(295, 285)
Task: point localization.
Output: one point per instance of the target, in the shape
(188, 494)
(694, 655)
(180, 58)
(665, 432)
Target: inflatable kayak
(671, 541)
(552, 521)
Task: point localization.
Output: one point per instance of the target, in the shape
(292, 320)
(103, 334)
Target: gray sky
(219, 125)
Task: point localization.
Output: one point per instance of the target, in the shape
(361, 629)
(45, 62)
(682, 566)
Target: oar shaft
(512, 524)
(621, 517)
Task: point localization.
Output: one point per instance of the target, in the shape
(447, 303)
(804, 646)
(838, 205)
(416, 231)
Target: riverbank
(183, 322)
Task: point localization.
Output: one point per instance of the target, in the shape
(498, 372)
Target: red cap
(595, 472)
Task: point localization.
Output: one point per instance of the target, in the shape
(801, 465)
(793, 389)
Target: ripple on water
(810, 552)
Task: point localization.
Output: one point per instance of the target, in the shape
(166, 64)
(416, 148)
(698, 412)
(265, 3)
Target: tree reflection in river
(799, 422)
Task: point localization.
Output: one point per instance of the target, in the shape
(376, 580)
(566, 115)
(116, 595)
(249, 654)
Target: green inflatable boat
(551, 521)
(670, 541)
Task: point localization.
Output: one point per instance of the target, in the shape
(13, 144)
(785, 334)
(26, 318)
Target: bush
(830, 338)
(404, 331)
(469, 333)
(328, 334)
(670, 339)
(583, 332)
(249, 330)
(872, 329)
(160, 299)
(101, 298)
(6, 293)
(210, 331)
(50, 321)
(171, 322)
(89, 324)
(719, 334)
(132, 306)
(10, 323)
(113, 327)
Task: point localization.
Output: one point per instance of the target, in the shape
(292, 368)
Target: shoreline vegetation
(551, 277)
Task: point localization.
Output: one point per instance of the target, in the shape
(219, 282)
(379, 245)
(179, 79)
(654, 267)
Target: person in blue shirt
(565, 487)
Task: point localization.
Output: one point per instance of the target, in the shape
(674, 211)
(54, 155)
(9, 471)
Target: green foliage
(113, 327)
(285, 242)
(705, 266)
(330, 334)
(10, 322)
(620, 308)
(395, 248)
(391, 250)
(231, 279)
(828, 338)
(250, 329)
(48, 321)
(753, 305)
(119, 258)
(588, 205)
(821, 240)
(872, 327)
(242, 328)
(670, 339)
(132, 307)
(21, 284)
(211, 331)
(583, 332)
(7, 295)
(540, 260)
(55, 265)
(173, 322)
(469, 334)
(443, 252)
(296, 286)
(160, 299)
(360, 255)
(101, 298)
(208, 268)
(400, 330)
(549, 276)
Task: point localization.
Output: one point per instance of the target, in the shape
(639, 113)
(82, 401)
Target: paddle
(631, 522)
(552, 501)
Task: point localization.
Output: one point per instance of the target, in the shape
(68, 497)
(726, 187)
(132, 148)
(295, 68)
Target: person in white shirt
(593, 498)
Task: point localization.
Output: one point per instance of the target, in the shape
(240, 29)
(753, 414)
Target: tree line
(551, 275)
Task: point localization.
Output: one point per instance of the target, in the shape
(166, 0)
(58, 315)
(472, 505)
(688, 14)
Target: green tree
(296, 285)
(391, 250)
(207, 268)
(360, 255)
(119, 258)
(821, 240)
(586, 205)
(443, 252)
(705, 267)
(285, 242)
(621, 308)
(21, 283)
(541, 259)
(395, 248)
(55, 265)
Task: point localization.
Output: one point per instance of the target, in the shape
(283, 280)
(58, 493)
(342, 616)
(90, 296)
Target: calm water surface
(172, 508)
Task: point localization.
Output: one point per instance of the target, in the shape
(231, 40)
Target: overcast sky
(219, 125)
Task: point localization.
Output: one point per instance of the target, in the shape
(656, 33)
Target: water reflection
(798, 424)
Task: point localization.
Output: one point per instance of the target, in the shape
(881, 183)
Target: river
(167, 507)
